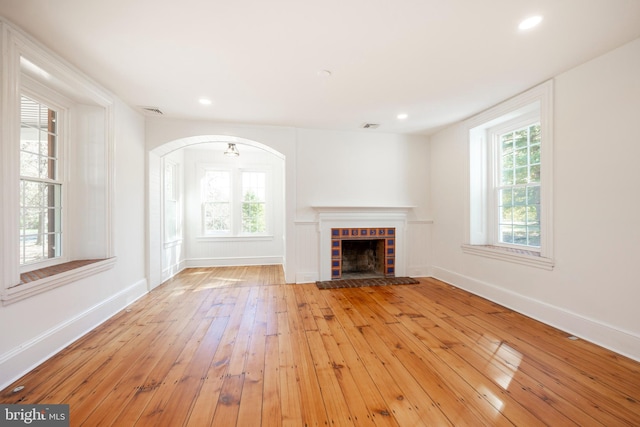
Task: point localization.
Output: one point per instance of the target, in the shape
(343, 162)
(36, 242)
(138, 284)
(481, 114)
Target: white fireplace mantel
(361, 216)
(360, 209)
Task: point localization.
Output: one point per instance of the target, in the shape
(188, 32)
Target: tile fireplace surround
(357, 219)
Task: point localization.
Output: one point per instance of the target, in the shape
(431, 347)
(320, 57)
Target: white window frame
(494, 133)
(27, 66)
(481, 209)
(235, 231)
(171, 202)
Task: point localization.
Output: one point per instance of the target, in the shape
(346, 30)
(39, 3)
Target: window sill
(528, 258)
(53, 277)
(257, 238)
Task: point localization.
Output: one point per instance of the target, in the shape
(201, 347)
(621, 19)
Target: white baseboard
(623, 342)
(225, 262)
(307, 277)
(418, 271)
(17, 362)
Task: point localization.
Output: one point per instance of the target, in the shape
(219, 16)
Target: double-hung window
(41, 184)
(234, 202)
(509, 203)
(517, 187)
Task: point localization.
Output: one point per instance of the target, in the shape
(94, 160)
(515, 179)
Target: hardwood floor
(236, 346)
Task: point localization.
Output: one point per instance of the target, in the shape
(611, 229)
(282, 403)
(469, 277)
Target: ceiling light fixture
(205, 101)
(530, 22)
(402, 116)
(231, 150)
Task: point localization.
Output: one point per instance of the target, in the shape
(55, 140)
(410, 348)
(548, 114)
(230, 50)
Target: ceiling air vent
(152, 110)
(370, 126)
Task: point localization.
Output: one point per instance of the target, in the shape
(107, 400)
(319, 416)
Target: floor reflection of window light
(491, 398)
(507, 361)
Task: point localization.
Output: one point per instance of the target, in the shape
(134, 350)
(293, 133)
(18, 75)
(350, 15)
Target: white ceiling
(437, 60)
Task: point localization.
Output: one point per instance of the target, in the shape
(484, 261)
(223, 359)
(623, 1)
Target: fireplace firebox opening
(362, 258)
(362, 252)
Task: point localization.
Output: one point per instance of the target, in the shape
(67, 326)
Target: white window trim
(236, 204)
(65, 79)
(479, 228)
(175, 167)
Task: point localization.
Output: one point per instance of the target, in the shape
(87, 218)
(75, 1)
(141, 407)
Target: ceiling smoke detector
(370, 126)
(153, 111)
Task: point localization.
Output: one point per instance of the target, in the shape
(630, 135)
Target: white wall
(35, 328)
(361, 168)
(595, 286)
(368, 169)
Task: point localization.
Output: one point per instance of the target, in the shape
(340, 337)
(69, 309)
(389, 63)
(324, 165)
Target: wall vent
(370, 126)
(153, 111)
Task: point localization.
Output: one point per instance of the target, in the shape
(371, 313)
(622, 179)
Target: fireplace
(339, 223)
(362, 252)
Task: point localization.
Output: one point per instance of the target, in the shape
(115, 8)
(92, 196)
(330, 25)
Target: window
(509, 204)
(234, 202)
(57, 147)
(40, 184)
(518, 187)
(217, 202)
(254, 219)
(171, 204)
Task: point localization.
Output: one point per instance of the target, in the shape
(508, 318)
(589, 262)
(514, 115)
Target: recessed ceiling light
(205, 101)
(530, 22)
(402, 116)
(324, 73)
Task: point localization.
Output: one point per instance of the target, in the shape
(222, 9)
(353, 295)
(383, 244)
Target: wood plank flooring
(236, 346)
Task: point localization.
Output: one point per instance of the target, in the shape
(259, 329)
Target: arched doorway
(190, 246)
